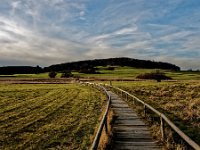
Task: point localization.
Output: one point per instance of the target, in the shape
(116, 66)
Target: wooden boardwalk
(129, 131)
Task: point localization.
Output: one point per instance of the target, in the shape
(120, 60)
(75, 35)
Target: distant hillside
(9, 70)
(89, 65)
(123, 61)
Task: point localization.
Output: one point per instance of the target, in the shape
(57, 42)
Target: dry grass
(179, 101)
(106, 137)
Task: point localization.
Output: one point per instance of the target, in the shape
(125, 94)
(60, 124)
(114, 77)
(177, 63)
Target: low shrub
(110, 68)
(66, 74)
(157, 75)
(52, 74)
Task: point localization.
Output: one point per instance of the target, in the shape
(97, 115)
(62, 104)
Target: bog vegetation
(156, 75)
(113, 72)
(48, 116)
(180, 101)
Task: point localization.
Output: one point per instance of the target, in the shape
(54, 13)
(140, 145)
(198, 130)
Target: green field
(180, 101)
(119, 73)
(48, 116)
(55, 116)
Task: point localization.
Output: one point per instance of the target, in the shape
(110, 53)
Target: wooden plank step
(132, 139)
(122, 112)
(126, 147)
(118, 102)
(126, 114)
(126, 117)
(129, 131)
(117, 99)
(129, 121)
(124, 106)
(116, 130)
(137, 143)
(121, 107)
(132, 136)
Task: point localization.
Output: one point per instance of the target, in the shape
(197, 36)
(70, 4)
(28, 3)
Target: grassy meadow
(48, 116)
(55, 116)
(117, 73)
(180, 101)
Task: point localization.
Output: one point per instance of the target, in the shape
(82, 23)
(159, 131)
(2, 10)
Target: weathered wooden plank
(126, 147)
(125, 114)
(129, 131)
(130, 122)
(136, 143)
(133, 134)
(129, 139)
(122, 106)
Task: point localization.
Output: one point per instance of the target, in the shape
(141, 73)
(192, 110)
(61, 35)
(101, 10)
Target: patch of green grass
(180, 101)
(132, 73)
(120, 73)
(48, 116)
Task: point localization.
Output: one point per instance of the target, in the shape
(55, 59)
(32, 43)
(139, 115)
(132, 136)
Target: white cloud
(139, 45)
(130, 30)
(53, 31)
(175, 36)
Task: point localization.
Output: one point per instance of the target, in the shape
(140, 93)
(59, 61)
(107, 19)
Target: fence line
(105, 115)
(163, 118)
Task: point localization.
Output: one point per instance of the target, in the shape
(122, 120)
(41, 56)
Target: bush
(110, 68)
(157, 75)
(89, 71)
(66, 74)
(52, 74)
(76, 77)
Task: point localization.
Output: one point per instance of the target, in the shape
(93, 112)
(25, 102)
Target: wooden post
(133, 101)
(144, 110)
(126, 97)
(122, 94)
(162, 128)
(110, 83)
(106, 125)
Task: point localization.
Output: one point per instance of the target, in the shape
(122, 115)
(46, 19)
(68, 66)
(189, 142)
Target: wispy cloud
(44, 32)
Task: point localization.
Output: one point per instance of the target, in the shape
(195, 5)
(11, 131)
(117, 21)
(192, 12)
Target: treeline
(89, 66)
(80, 65)
(10, 70)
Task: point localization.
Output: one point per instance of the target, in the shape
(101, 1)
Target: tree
(52, 74)
(66, 74)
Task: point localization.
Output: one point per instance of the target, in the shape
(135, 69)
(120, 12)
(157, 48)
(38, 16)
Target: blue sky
(44, 32)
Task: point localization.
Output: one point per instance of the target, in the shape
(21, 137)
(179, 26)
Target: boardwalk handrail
(189, 141)
(104, 118)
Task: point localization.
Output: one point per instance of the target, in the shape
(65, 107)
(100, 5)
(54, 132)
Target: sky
(46, 32)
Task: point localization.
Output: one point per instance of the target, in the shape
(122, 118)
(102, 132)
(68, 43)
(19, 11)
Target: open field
(180, 101)
(118, 73)
(48, 116)
(31, 114)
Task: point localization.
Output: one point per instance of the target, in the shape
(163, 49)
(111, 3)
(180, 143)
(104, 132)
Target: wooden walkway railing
(163, 119)
(105, 115)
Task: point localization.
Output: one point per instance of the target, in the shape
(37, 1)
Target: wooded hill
(123, 61)
(10, 70)
(89, 65)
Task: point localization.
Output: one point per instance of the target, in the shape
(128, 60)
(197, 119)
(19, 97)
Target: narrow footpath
(129, 131)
